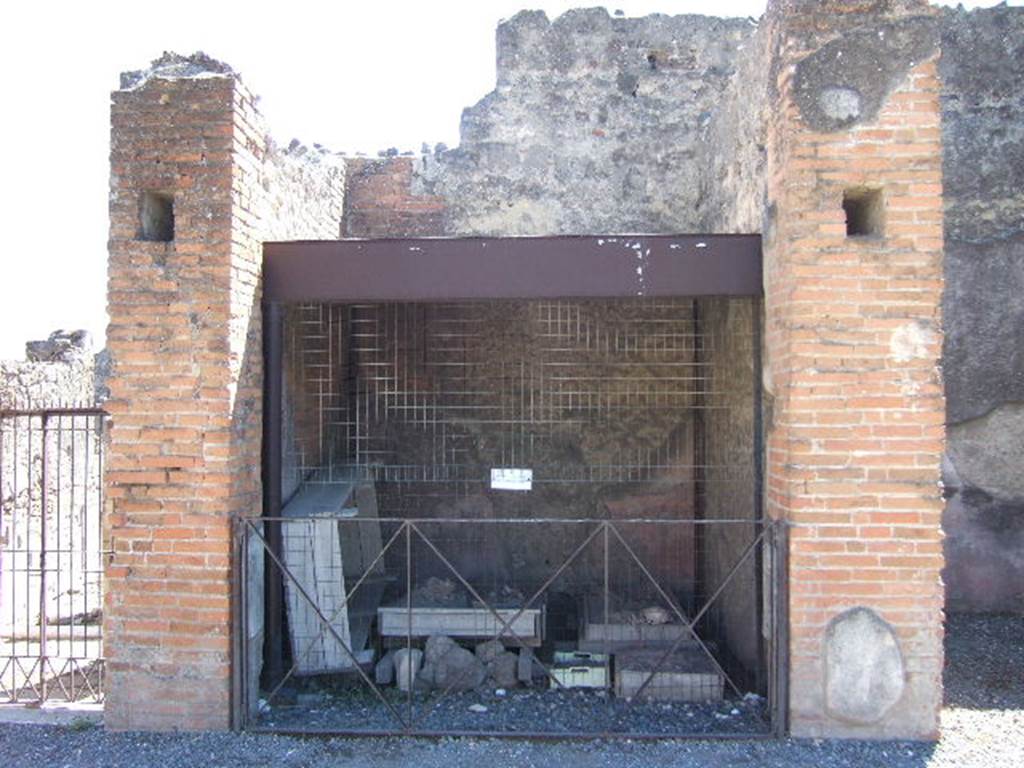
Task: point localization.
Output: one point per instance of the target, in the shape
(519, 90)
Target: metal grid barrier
(649, 666)
(51, 555)
(501, 383)
(493, 438)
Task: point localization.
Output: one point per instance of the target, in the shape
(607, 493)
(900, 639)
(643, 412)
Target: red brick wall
(380, 202)
(852, 346)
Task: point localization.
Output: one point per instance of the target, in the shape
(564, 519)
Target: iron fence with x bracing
(51, 555)
(513, 627)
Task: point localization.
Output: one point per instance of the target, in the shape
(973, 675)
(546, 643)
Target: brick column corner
(853, 281)
(184, 338)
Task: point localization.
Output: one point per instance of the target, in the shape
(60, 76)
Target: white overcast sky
(357, 76)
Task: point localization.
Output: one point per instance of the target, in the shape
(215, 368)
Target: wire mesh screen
(584, 392)
(575, 478)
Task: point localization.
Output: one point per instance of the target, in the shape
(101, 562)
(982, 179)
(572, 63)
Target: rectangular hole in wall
(863, 209)
(156, 217)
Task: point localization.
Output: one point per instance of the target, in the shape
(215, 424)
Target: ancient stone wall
(982, 71)
(61, 371)
(597, 124)
(732, 175)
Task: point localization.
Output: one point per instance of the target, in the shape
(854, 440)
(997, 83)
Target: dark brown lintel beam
(437, 269)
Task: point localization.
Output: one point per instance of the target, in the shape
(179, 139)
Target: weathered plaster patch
(914, 340)
(847, 80)
(840, 104)
(519, 217)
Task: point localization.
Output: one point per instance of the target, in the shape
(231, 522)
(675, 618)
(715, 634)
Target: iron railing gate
(51, 555)
(579, 477)
(657, 700)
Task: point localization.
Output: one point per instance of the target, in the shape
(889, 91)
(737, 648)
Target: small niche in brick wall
(863, 208)
(156, 217)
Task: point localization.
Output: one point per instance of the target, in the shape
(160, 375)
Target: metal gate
(528, 517)
(51, 555)
(666, 673)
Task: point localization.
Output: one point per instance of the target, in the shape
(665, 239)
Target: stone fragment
(490, 650)
(384, 672)
(864, 674)
(436, 647)
(407, 664)
(425, 679)
(524, 665)
(503, 670)
(988, 452)
(655, 614)
(529, 667)
(458, 670)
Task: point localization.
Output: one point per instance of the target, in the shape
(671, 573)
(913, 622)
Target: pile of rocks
(444, 664)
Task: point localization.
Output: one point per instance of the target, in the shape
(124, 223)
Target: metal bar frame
(489, 268)
(444, 269)
(73, 674)
(411, 725)
(273, 384)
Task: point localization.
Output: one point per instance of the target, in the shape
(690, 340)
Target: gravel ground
(537, 711)
(983, 725)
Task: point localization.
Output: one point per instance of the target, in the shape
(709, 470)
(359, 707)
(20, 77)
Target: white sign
(512, 479)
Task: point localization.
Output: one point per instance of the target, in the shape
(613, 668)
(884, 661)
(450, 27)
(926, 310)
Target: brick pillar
(184, 337)
(853, 340)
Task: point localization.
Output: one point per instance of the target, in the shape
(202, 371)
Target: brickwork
(186, 387)
(852, 345)
(168, 613)
(380, 202)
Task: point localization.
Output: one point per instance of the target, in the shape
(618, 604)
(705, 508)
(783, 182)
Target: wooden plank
(320, 500)
(312, 553)
(361, 544)
(255, 615)
(370, 540)
(329, 545)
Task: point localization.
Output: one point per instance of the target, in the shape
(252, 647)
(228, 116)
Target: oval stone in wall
(864, 673)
